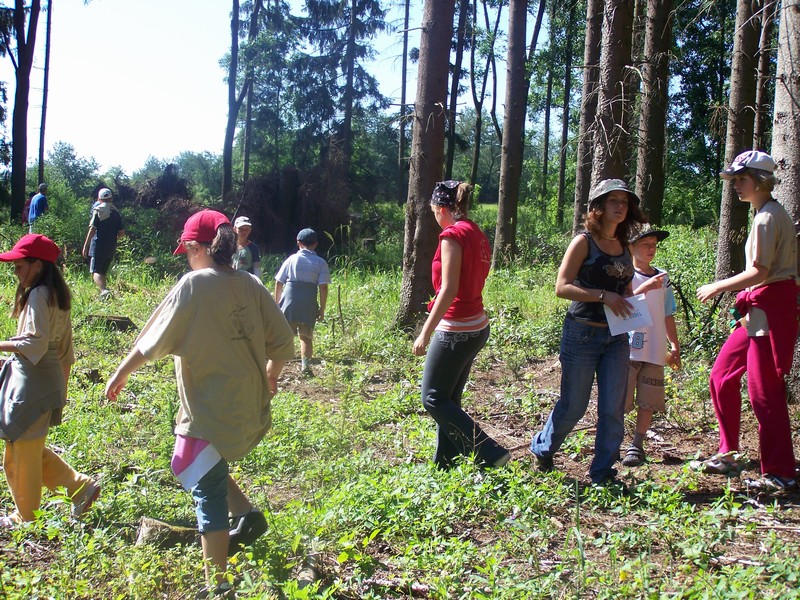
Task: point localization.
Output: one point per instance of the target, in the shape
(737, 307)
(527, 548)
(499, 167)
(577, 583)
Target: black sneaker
(545, 463)
(612, 484)
(246, 529)
(223, 590)
(502, 461)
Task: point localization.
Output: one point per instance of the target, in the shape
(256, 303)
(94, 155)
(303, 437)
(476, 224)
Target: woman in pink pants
(762, 343)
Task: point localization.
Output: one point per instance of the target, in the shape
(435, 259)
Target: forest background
(311, 142)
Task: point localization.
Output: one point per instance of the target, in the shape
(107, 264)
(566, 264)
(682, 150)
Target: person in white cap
(247, 257)
(105, 227)
(762, 341)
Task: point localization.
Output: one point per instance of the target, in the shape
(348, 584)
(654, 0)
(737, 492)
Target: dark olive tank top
(603, 272)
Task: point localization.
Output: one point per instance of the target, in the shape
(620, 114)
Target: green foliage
(63, 166)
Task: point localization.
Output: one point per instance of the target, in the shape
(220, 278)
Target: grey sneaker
(771, 484)
(84, 498)
(223, 590)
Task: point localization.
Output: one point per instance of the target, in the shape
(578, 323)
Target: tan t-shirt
(773, 245)
(222, 327)
(39, 325)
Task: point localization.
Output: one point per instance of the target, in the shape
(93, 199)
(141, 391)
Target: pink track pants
(767, 391)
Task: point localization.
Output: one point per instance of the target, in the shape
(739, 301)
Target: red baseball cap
(201, 227)
(33, 245)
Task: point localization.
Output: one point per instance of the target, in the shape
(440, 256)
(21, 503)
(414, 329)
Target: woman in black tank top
(595, 273)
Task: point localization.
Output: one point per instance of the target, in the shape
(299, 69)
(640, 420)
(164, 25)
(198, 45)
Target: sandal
(721, 464)
(634, 456)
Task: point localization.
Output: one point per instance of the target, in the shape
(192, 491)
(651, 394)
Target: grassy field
(345, 476)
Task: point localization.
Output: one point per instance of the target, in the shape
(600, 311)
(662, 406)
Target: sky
(131, 79)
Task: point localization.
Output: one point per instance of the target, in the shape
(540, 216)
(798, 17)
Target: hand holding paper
(638, 318)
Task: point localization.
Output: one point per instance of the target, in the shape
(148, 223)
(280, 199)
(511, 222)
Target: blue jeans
(586, 351)
(211, 499)
(447, 365)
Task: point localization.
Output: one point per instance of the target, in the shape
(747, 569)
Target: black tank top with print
(601, 271)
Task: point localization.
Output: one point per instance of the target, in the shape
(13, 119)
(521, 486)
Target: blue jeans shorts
(100, 265)
(211, 499)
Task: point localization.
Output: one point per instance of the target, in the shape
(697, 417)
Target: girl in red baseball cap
(33, 382)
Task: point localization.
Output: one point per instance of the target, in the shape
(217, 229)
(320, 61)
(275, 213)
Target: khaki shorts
(646, 380)
(302, 330)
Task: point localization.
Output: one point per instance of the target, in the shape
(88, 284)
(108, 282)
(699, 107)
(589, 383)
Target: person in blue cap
(296, 285)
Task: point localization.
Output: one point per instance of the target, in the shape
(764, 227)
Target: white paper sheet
(639, 317)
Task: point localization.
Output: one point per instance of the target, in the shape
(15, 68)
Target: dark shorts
(100, 265)
(302, 330)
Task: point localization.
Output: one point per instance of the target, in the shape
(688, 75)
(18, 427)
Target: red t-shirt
(476, 260)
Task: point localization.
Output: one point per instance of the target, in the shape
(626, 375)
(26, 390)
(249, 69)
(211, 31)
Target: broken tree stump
(163, 534)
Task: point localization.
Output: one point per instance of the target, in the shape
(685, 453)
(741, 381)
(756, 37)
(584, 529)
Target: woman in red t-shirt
(458, 327)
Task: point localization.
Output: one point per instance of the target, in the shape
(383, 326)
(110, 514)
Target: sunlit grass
(345, 474)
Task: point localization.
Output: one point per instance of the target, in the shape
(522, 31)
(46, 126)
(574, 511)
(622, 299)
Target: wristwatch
(602, 295)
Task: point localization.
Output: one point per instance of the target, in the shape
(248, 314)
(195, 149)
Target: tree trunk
(248, 134)
(739, 137)
(562, 161)
(235, 101)
(719, 88)
(26, 46)
(765, 53)
(651, 162)
(45, 87)
(349, 94)
(461, 36)
(478, 99)
(513, 127)
(786, 132)
(427, 159)
(402, 187)
(546, 143)
(534, 41)
(591, 60)
(233, 107)
(786, 122)
(612, 137)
